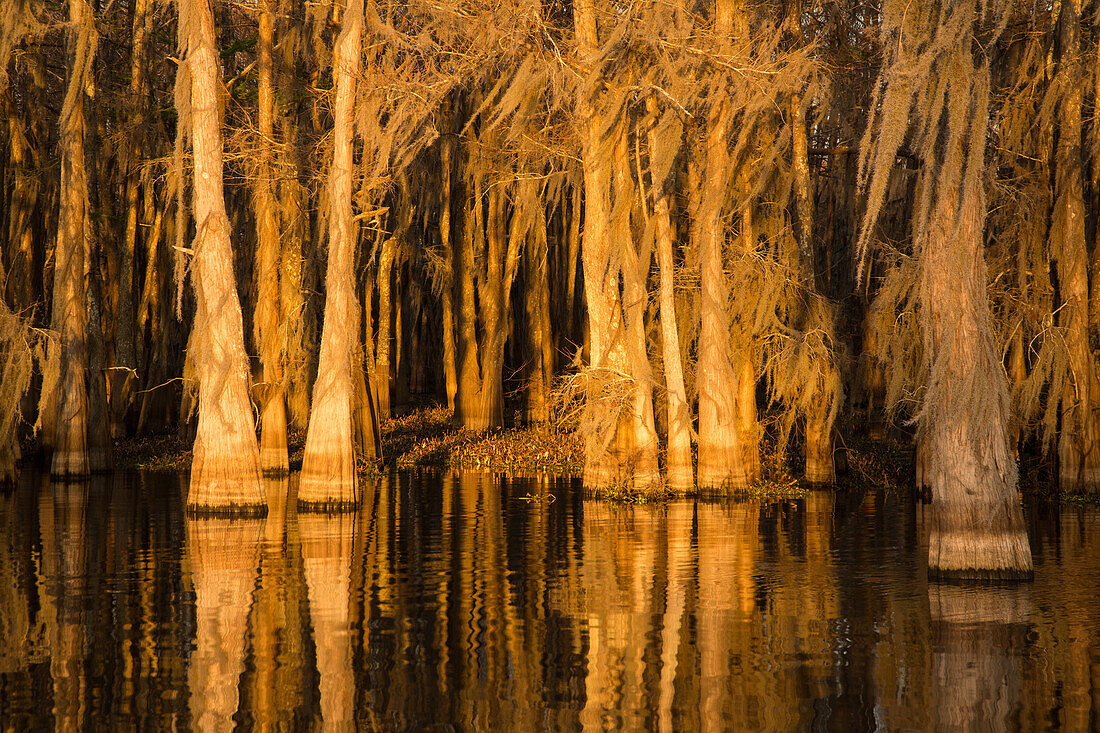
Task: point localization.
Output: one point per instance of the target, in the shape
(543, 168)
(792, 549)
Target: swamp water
(474, 602)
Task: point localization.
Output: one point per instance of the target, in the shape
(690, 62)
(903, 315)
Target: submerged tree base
(974, 575)
(230, 511)
(979, 555)
(328, 507)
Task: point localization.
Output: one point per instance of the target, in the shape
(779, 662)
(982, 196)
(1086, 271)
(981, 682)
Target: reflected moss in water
(456, 600)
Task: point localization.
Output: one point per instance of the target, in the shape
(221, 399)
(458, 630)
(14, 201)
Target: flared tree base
(477, 414)
(1083, 480)
(679, 478)
(721, 468)
(7, 465)
(226, 486)
(99, 460)
(328, 482)
(69, 464)
(979, 554)
(820, 469)
(327, 507)
(328, 478)
(228, 511)
(274, 462)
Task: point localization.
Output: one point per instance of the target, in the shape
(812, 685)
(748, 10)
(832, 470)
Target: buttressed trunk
(977, 526)
(328, 468)
(225, 468)
(70, 441)
(721, 450)
(488, 261)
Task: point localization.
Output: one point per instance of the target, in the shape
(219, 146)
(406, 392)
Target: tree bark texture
(1079, 439)
(635, 275)
(268, 321)
(721, 444)
(328, 477)
(607, 402)
(122, 376)
(70, 439)
(977, 526)
(225, 468)
(680, 473)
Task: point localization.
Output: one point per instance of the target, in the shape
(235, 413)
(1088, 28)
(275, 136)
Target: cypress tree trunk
(70, 447)
(25, 282)
(537, 303)
(155, 310)
(328, 468)
(573, 242)
(748, 428)
(721, 449)
(1078, 442)
(606, 457)
(98, 421)
(383, 368)
(132, 165)
(293, 197)
(225, 468)
(977, 526)
(494, 315)
(818, 447)
(680, 475)
(268, 316)
(469, 380)
(488, 260)
(450, 365)
(635, 271)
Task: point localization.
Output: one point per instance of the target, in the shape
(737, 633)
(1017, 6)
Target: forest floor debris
(423, 438)
(426, 438)
(168, 452)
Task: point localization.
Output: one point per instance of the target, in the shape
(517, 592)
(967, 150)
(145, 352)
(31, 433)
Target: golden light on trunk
(70, 427)
(269, 326)
(328, 477)
(976, 526)
(225, 467)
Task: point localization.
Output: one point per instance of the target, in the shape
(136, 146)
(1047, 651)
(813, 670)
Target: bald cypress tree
(225, 468)
(70, 427)
(267, 321)
(943, 99)
(328, 467)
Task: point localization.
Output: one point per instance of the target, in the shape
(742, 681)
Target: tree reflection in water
(62, 519)
(279, 685)
(481, 603)
(979, 638)
(223, 555)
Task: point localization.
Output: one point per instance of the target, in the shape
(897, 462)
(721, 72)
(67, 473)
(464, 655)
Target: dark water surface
(474, 602)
